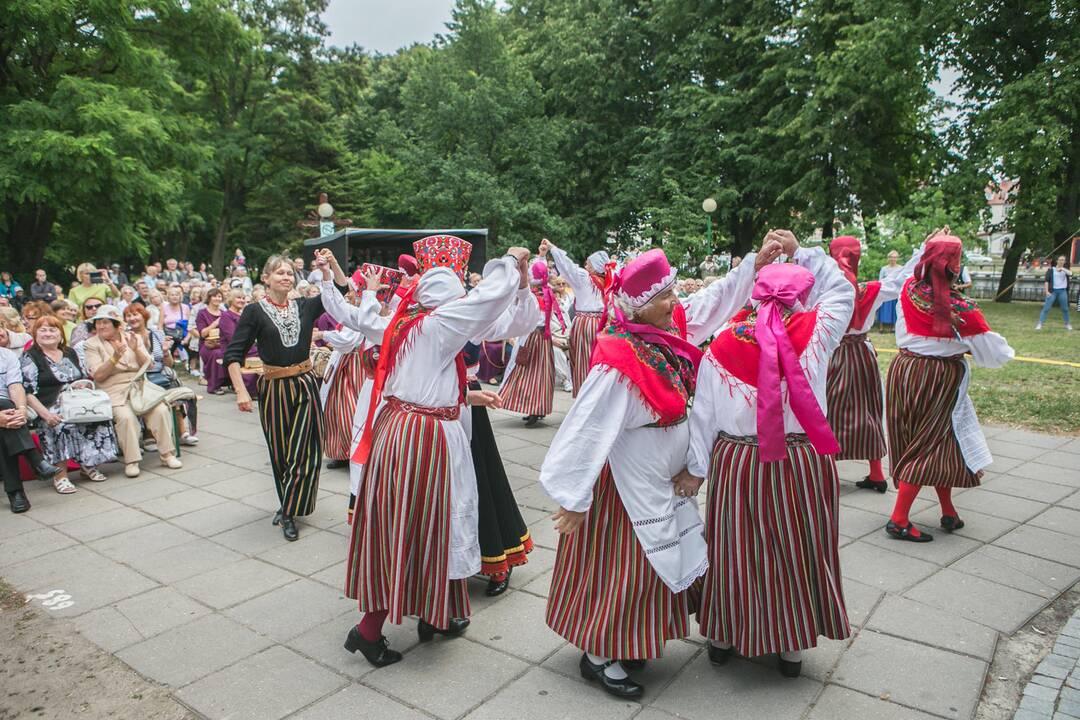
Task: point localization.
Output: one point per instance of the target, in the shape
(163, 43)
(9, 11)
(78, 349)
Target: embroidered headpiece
(645, 277)
(445, 251)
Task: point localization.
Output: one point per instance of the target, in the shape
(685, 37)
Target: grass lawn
(1039, 397)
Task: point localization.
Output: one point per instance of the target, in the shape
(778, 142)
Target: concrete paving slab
(136, 490)
(837, 702)
(934, 681)
(291, 609)
(1017, 570)
(140, 617)
(977, 525)
(325, 643)
(254, 538)
(998, 505)
(188, 652)
(1062, 520)
(314, 551)
(1027, 488)
(457, 676)
(13, 524)
(239, 485)
(270, 685)
(234, 583)
(110, 522)
(357, 701)
(142, 541)
(218, 518)
(62, 508)
(916, 621)
(882, 569)
(742, 689)
(1049, 473)
(517, 628)
(997, 606)
(545, 695)
(179, 562)
(945, 549)
(40, 541)
(1043, 543)
(860, 601)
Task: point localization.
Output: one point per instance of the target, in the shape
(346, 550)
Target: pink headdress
(779, 287)
(548, 303)
(408, 264)
(643, 278)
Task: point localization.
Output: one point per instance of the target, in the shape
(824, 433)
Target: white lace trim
(287, 323)
(639, 301)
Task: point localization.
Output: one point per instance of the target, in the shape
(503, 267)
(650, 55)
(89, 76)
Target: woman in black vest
(48, 367)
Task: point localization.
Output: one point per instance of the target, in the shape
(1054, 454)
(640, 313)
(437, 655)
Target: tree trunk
(217, 254)
(744, 233)
(27, 236)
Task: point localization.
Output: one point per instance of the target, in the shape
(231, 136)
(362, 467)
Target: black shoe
(634, 665)
(335, 464)
(951, 523)
(531, 420)
(498, 587)
(625, 688)
(426, 631)
(788, 668)
(277, 519)
(720, 656)
(288, 528)
(19, 502)
(867, 484)
(44, 470)
(904, 533)
(377, 653)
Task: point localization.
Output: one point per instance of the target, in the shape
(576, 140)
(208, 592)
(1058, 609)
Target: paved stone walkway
(181, 575)
(1054, 689)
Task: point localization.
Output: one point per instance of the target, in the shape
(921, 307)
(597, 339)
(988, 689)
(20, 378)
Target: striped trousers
(773, 583)
(291, 418)
(855, 401)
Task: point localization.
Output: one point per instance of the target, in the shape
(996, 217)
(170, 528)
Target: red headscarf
(847, 251)
(939, 265)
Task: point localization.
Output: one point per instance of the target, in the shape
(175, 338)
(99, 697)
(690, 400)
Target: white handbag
(143, 395)
(82, 404)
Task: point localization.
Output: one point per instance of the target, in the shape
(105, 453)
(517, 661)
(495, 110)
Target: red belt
(439, 413)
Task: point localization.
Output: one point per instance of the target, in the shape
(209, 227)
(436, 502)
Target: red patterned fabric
(445, 251)
(389, 277)
(736, 348)
(664, 383)
(918, 301)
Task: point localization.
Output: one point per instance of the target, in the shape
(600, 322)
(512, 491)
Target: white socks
(792, 656)
(614, 670)
(721, 645)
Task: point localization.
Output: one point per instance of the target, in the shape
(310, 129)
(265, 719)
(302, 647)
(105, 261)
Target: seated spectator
(13, 335)
(175, 318)
(157, 300)
(48, 367)
(127, 296)
(172, 272)
(85, 327)
(34, 309)
(8, 286)
(229, 319)
(211, 349)
(160, 371)
(42, 289)
(114, 359)
(119, 277)
(92, 283)
(68, 312)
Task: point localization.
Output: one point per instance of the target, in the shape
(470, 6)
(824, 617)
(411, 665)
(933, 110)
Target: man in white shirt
(1056, 286)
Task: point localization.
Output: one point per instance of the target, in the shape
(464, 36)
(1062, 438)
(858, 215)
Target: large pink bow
(779, 287)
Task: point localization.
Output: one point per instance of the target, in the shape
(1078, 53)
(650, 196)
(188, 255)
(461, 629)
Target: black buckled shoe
(426, 631)
(288, 528)
(625, 688)
(720, 656)
(899, 532)
(951, 523)
(335, 464)
(377, 653)
(19, 502)
(277, 519)
(531, 420)
(498, 587)
(44, 470)
(788, 668)
(634, 665)
(867, 484)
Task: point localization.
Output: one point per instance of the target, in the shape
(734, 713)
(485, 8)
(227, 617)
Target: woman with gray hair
(288, 390)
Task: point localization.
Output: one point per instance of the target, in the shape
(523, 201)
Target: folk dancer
(855, 398)
(759, 434)
(340, 391)
(632, 549)
(529, 387)
(934, 435)
(589, 284)
(414, 532)
(288, 391)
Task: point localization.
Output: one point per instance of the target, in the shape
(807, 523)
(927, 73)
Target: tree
(91, 152)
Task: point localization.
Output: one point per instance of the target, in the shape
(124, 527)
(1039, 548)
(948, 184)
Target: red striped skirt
(921, 393)
(341, 406)
(605, 597)
(582, 338)
(855, 400)
(530, 388)
(398, 553)
(773, 583)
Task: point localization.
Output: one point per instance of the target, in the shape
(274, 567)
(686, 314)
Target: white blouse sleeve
(517, 320)
(989, 349)
(833, 295)
(576, 276)
(343, 340)
(703, 423)
(585, 438)
(709, 308)
(363, 318)
(459, 321)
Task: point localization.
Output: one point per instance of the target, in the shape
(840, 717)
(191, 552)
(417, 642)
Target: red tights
(370, 626)
(905, 497)
(876, 473)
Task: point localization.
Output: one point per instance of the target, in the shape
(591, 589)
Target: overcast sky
(386, 25)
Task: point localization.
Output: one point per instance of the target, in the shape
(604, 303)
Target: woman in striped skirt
(927, 387)
(340, 390)
(529, 387)
(289, 407)
(773, 584)
(589, 284)
(853, 390)
(414, 537)
(632, 551)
